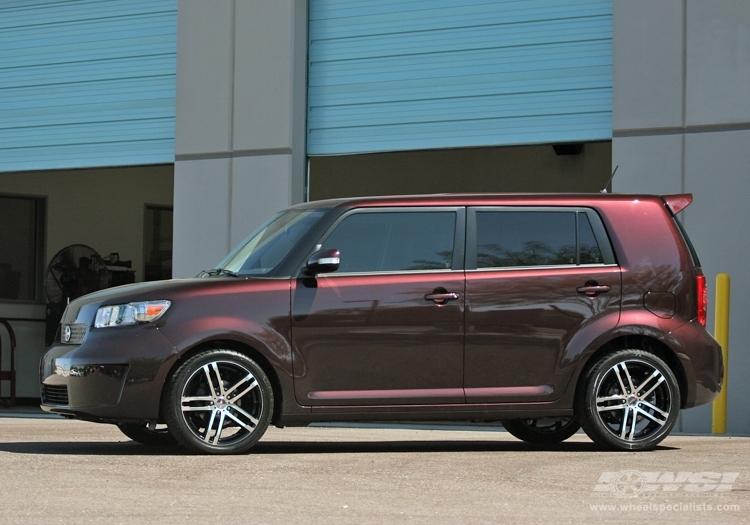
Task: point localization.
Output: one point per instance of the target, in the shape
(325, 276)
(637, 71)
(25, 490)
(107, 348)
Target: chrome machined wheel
(220, 402)
(631, 401)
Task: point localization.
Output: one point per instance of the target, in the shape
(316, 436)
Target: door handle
(593, 289)
(442, 297)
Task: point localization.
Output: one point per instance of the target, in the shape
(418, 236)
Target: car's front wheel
(219, 402)
(546, 430)
(629, 400)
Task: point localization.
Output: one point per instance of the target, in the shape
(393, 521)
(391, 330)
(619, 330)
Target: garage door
(86, 83)
(392, 75)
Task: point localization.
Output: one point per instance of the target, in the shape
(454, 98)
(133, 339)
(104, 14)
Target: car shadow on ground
(131, 448)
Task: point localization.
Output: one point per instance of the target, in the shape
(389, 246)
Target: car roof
(482, 199)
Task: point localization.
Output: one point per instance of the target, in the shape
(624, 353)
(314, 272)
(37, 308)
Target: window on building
(21, 248)
(157, 243)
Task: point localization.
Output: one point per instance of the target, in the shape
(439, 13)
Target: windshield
(267, 247)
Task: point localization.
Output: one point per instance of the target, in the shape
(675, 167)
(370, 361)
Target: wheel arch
(637, 342)
(237, 346)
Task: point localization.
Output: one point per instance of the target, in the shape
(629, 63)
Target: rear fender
(605, 343)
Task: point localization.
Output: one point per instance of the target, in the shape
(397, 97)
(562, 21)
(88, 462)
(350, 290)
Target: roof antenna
(610, 180)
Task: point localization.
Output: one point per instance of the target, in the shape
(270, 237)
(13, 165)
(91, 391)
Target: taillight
(700, 281)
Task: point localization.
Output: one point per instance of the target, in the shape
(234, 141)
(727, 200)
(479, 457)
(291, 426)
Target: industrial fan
(74, 271)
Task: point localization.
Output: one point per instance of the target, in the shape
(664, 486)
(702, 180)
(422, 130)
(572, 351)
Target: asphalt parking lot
(62, 471)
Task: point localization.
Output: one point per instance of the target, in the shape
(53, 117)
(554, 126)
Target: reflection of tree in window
(590, 254)
(443, 264)
(589, 249)
(511, 238)
(535, 253)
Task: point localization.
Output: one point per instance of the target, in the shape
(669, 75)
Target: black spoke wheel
(546, 430)
(219, 402)
(629, 400)
(158, 436)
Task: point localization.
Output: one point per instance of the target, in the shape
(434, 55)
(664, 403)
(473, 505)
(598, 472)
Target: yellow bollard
(721, 334)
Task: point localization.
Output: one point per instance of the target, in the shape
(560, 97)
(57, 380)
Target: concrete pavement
(63, 471)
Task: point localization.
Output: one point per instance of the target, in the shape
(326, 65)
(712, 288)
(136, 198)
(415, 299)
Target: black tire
(543, 430)
(219, 402)
(159, 437)
(628, 400)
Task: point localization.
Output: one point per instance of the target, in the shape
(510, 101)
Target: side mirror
(323, 261)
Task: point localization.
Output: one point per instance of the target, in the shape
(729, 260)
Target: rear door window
(509, 237)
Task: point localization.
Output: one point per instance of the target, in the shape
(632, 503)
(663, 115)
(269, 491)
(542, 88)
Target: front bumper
(116, 375)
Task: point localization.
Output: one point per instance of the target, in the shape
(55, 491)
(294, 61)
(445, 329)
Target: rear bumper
(702, 362)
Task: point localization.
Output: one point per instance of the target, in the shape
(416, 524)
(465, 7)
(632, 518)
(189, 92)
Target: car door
(387, 326)
(540, 284)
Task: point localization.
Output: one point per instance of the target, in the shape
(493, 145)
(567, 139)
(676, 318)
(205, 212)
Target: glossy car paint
(222, 311)
(363, 339)
(525, 327)
(370, 347)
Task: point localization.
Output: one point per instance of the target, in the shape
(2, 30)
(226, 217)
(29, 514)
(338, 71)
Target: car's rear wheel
(158, 436)
(219, 402)
(546, 430)
(629, 400)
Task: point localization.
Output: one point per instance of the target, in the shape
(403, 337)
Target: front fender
(254, 314)
(265, 339)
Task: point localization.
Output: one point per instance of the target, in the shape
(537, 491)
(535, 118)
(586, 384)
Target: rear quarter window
(688, 242)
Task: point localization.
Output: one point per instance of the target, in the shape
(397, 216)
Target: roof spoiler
(677, 203)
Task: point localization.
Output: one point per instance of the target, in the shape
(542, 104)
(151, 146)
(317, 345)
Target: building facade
(274, 103)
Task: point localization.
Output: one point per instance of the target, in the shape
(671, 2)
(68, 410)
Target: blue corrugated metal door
(86, 83)
(390, 75)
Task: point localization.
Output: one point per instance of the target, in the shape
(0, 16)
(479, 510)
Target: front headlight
(132, 313)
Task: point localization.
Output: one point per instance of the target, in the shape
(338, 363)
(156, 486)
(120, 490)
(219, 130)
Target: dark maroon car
(546, 312)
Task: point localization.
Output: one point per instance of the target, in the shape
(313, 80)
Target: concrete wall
(240, 123)
(102, 208)
(681, 123)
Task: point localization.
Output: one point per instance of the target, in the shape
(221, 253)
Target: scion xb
(545, 312)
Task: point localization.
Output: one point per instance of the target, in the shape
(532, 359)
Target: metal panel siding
(393, 75)
(87, 83)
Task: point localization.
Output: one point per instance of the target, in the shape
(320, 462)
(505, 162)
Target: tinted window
(693, 253)
(589, 248)
(510, 238)
(394, 241)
